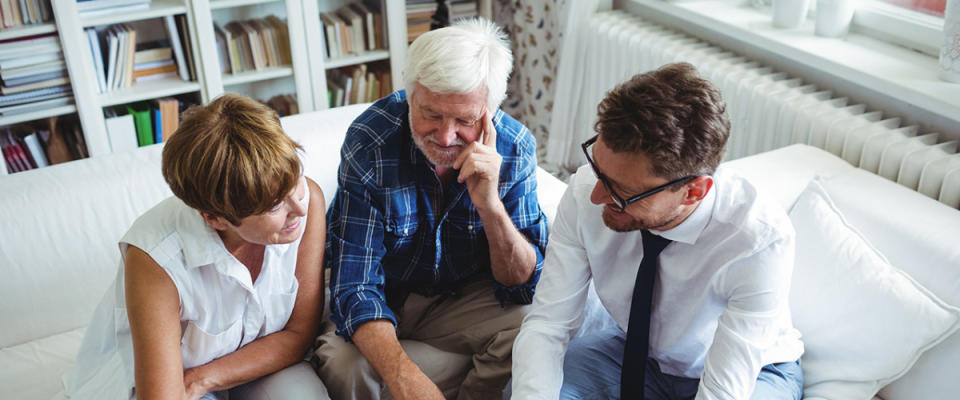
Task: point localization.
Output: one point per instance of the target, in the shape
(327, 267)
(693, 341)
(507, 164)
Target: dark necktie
(638, 329)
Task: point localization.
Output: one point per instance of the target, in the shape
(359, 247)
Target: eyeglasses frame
(619, 201)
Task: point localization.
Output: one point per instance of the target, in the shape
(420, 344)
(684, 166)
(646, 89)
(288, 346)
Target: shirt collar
(200, 242)
(690, 229)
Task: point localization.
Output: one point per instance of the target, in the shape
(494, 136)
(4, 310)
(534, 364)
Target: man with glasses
(690, 261)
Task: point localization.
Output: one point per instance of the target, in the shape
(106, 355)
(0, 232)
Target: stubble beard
(438, 158)
(635, 224)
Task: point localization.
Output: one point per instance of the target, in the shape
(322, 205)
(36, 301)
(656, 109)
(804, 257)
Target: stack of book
(357, 84)
(96, 8)
(352, 29)
(419, 16)
(142, 124)
(33, 75)
(120, 61)
(24, 12)
(253, 45)
(36, 145)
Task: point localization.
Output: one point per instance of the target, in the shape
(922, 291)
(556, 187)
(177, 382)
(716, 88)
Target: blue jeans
(591, 370)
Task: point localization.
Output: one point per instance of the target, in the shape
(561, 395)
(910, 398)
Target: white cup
(834, 17)
(950, 49)
(789, 14)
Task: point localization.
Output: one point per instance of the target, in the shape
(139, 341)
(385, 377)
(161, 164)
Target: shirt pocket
(465, 234)
(401, 232)
(200, 347)
(278, 308)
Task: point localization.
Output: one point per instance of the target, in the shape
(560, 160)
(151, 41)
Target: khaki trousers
(463, 344)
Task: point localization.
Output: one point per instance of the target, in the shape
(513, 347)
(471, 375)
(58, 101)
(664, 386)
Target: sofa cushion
(783, 173)
(61, 226)
(887, 319)
(918, 235)
(32, 370)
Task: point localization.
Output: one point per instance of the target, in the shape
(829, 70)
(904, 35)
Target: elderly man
(436, 236)
(690, 261)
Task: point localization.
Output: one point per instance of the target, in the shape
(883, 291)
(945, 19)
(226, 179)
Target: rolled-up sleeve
(520, 201)
(355, 248)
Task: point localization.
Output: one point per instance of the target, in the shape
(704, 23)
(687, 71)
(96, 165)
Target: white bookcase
(305, 78)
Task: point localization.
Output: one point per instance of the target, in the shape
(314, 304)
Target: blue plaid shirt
(391, 220)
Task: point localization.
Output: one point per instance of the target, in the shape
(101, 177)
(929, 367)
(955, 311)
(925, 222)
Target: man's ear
(697, 189)
(218, 223)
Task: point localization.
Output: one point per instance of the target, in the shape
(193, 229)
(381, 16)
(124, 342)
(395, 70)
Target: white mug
(789, 13)
(834, 17)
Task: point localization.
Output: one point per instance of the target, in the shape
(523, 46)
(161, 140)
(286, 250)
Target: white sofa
(60, 226)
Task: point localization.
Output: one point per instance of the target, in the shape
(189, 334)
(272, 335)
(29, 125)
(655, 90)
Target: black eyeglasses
(619, 201)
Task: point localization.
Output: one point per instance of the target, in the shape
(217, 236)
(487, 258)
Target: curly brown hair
(671, 115)
(231, 158)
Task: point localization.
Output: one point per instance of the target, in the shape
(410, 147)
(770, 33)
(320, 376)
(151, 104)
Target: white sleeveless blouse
(221, 310)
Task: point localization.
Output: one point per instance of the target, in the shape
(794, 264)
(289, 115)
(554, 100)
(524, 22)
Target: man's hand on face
(479, 165)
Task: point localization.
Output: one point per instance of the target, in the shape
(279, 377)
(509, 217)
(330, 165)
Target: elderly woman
(220, 287)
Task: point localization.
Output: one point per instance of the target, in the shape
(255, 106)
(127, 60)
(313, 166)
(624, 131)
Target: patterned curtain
(534, 27)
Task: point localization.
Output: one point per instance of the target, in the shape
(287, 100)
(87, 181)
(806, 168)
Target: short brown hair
(671, 115)
(231, 158)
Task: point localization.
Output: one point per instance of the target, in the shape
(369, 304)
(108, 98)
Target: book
(121, 132)
(30, 60)
(35, 150)
(33, 86)
(187, 46)
(28, 79)
(283, 39)
(34, 95)
(353, 29)
(335, 91)
(94, 42)
(239, 53)
(369, 35)
(153, 54)
(331, 36)
(39, 68)
(223, 49)
(157, 118)
(268, 38)
(33, 106)
(142, 123)
(174, 37)
(166, 68)
(113, 52)
(154, 64)
(254, 42)
(169, 113)
(128, 61)
(26, 47)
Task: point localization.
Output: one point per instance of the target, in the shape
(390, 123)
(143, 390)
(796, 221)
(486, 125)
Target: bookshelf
(304, 76)
(393, 55)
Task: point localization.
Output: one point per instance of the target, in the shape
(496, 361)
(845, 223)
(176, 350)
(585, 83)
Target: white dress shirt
(720, 309)
(221, 310)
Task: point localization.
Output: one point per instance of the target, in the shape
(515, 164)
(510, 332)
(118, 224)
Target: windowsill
(901, 74)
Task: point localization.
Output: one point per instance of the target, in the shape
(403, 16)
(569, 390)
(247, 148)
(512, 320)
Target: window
(932, 7)
(917, 24)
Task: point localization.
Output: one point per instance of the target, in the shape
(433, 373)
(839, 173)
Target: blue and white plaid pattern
(391, 220)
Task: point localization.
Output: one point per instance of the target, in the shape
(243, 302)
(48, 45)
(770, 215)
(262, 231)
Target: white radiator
(767, 109)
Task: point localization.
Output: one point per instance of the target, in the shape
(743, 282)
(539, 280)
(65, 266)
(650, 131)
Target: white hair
(459, 59)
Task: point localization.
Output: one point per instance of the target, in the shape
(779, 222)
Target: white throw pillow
(864, 322)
